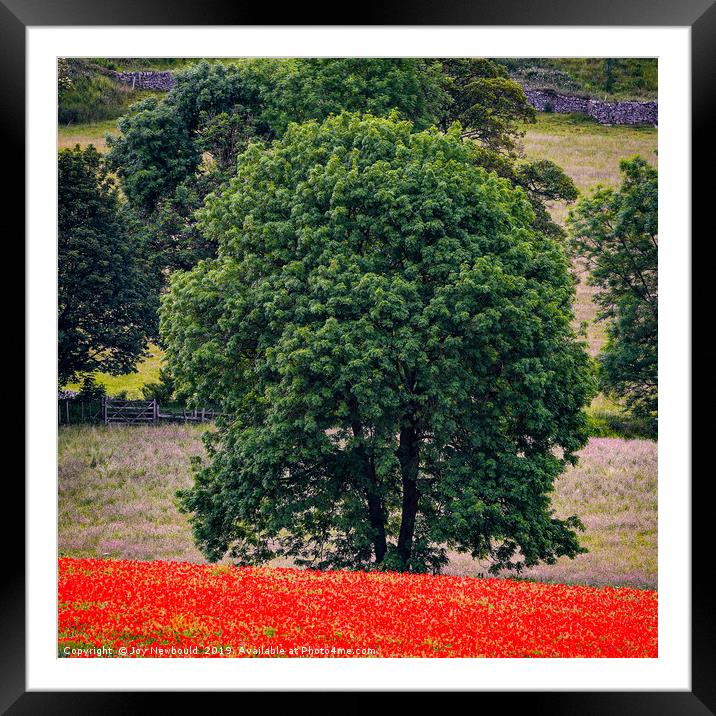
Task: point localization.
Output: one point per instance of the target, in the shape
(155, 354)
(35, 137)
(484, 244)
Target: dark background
(700, 15)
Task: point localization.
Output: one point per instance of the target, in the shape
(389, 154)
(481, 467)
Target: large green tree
(616, 233)
(106, 301)
(172, 153)
(390, 340)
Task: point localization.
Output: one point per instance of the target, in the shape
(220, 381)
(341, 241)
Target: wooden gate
(129, 412)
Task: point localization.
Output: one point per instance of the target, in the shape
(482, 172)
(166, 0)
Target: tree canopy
(616, 233)
(160, 143)
(172, 153)
(106, 303)
(488, 103)
(389, 338)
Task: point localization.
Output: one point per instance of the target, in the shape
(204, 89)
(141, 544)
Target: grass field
(86, 134)
(117, 487)
(131, 383)
(589, 153)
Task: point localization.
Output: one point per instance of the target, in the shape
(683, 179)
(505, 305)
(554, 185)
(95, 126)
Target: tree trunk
(409, 458)
(377, 522)
(376, 513)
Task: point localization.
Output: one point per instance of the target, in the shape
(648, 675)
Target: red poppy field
(175, 609)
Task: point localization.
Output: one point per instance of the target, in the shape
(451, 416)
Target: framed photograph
(359, 356)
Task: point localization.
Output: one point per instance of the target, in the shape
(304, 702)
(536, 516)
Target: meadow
(93, 133)
(132, 383)
(589, 153)
(117, 490)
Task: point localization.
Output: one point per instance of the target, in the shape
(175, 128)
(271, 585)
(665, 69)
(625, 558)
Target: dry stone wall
(161, 81)
(622, 112)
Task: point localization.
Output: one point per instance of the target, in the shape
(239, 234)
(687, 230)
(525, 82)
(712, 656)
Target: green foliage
(225, 134)
(163, 391)
(316, 88)
(161, 144)
(541, 181)
(544, 181)
(616, 232)
(154, 154)
(172, 154)
(487, 102)
(613, 425)
(171, 233)
(105, 311)
(493, 111)
(91, 389)
(391, 338)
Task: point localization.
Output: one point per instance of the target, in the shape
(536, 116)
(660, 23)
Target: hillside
(89, 93)
(601, 78)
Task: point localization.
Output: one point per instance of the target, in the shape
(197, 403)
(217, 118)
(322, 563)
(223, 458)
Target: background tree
(488, 103)
(172, 153)
(392, 341)
(160, 144)
(105, 310)
(543, 181)
(493, 110)
(617, 234)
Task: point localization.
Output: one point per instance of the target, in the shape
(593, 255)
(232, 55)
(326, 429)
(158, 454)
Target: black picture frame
(699, 15)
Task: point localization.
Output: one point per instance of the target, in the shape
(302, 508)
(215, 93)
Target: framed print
(362, 351)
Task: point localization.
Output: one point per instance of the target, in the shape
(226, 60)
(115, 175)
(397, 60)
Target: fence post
(67, 411)
(104, 409)
(155, 406)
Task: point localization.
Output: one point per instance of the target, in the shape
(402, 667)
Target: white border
(671, 670)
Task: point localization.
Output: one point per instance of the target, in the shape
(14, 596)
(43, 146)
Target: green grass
(631, 78)
(95, 95)
(588, 152)
(131, 383)
(85, 134)
(116, 492)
